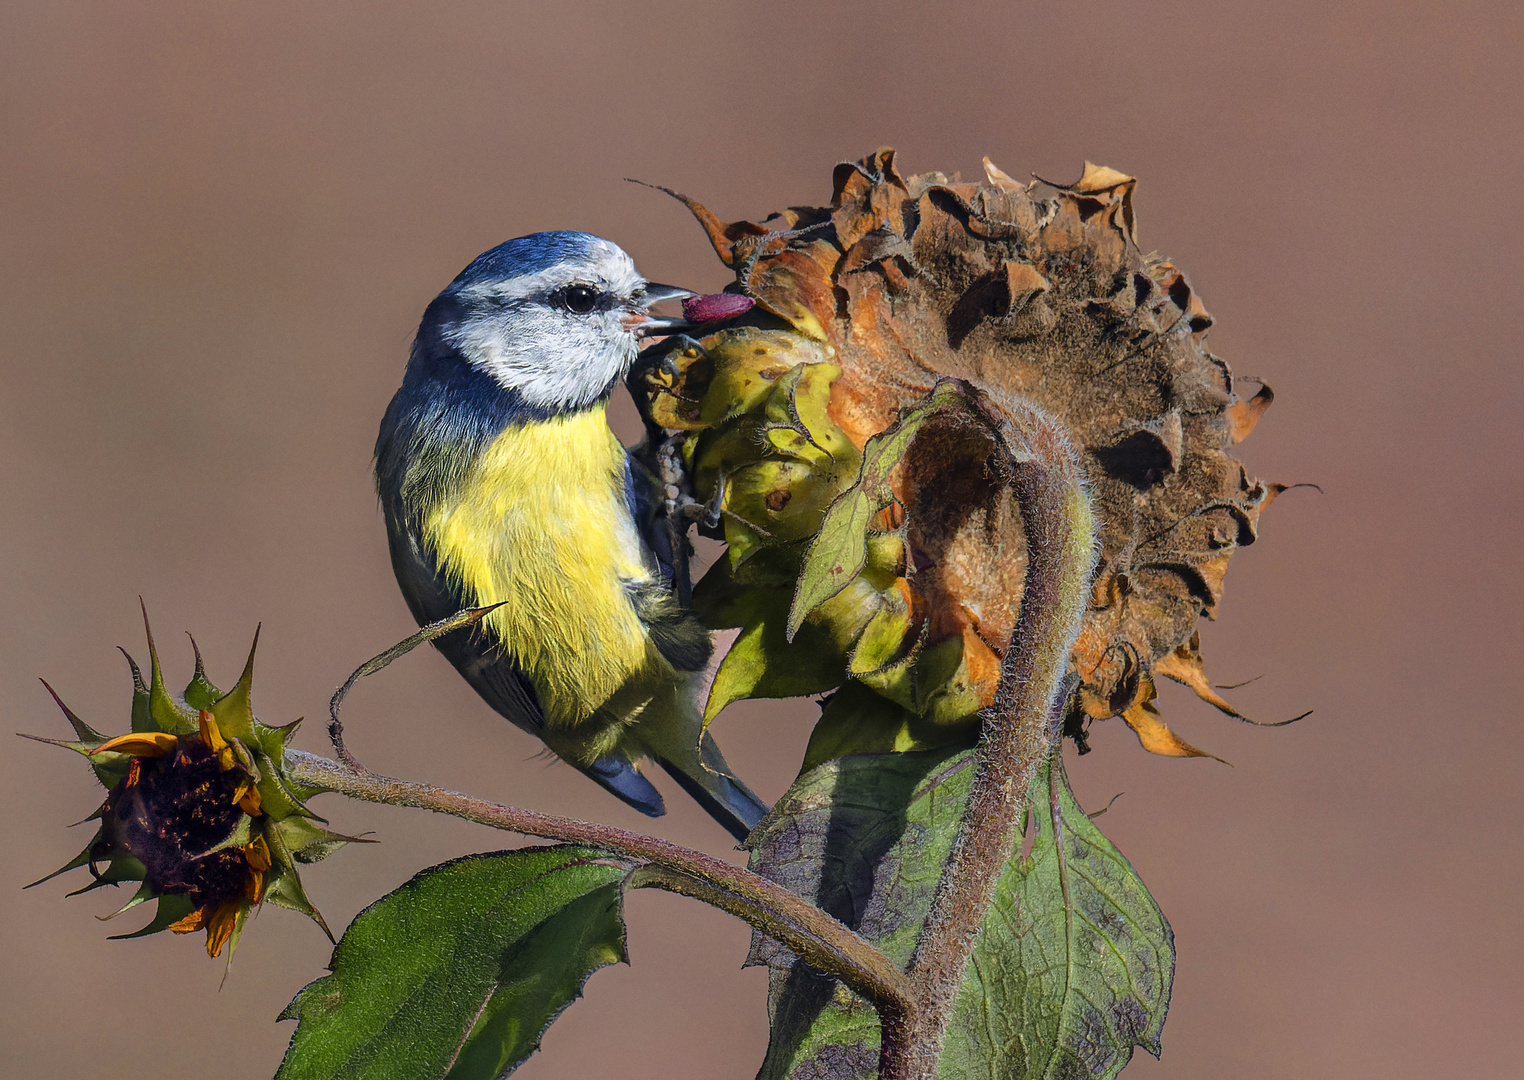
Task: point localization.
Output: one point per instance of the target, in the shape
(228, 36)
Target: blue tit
(501, 483)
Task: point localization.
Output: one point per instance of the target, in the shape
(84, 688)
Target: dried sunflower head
(825, 396)
(199, 810)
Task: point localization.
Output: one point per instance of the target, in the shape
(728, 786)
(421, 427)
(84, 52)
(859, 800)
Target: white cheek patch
(552, 362)
(553, 359)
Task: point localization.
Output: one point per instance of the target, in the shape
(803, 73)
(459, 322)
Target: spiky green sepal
(200, 812)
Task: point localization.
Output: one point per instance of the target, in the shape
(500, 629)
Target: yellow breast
(542, 525)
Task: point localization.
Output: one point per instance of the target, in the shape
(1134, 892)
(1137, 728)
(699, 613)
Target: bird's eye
(580, 299)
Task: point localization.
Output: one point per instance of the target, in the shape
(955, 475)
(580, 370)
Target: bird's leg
(677, 489)
(715, 507)
(682, 345)
(662, 370)
(678, 486)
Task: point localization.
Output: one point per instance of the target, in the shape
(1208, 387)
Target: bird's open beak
(645, 324)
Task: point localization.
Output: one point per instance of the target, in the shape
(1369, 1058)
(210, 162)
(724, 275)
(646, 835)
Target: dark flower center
(170, 816)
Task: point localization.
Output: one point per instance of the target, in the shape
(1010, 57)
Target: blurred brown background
(219, 224)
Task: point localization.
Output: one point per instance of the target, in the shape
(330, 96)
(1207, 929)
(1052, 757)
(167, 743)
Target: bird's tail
(714, 787)
(692, 758)
(623, 780)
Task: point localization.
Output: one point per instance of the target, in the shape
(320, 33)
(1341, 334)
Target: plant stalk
(1019, 730)
(814, 936)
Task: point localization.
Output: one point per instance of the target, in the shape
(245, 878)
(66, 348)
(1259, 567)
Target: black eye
(580, 299)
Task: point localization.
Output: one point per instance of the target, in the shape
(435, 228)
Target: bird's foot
(707, 514)
(659, 365)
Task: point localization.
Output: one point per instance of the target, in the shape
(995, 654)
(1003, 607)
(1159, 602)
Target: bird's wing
(429, 595)
(494, 676)
(674, 734)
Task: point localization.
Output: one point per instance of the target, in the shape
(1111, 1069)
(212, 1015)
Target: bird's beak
(643, 323)
(655, 293)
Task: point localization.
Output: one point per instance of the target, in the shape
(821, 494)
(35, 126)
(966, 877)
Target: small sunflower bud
(198, 810)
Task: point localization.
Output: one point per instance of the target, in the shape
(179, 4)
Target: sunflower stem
(815, 937)
(1019, 728)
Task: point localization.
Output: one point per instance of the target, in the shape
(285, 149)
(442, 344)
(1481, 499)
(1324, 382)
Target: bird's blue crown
(525, 255)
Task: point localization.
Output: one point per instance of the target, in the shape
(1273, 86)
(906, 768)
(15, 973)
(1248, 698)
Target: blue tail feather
(622, 780)
(715, 788)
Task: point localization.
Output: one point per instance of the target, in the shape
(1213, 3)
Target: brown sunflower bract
(908, 280)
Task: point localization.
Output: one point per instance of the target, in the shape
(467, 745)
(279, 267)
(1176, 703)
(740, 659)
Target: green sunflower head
(200, 812)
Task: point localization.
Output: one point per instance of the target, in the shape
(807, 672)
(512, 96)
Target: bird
(501, 482)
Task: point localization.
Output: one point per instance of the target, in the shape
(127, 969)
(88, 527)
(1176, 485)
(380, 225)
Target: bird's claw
(707, 514)
(716, 504)
(659, 366)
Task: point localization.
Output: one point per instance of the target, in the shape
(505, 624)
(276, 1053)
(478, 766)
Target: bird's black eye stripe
(578, 299)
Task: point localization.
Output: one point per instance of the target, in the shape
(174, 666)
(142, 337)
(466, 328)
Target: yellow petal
(140, 744)
(247, 797)
(191, 923)
(212, 736)
(220, 926)
(1154, 734)
(258, 854)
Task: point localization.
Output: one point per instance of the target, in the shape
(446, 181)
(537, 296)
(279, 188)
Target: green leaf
(142, 719)
(171, 910)
(746, 364)
(798, 423)
(164, 712)
(840, 550)
(726, 597)
(283, 886)
(459, 972)
(1071, 970)
(83, 731)
(234, 710)
(858, 720)
(764, 662)
(309, 842)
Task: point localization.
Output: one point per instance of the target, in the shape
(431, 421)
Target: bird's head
(553, 317)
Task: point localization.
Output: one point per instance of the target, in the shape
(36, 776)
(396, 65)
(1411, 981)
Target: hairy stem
(815, 936)
(1019, 731)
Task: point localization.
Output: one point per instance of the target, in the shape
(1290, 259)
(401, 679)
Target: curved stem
(812, 934)
(1019, 731)
(464, 618)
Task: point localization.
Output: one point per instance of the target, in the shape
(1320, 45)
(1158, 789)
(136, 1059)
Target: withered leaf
(1154, 733)
(1243, 415)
